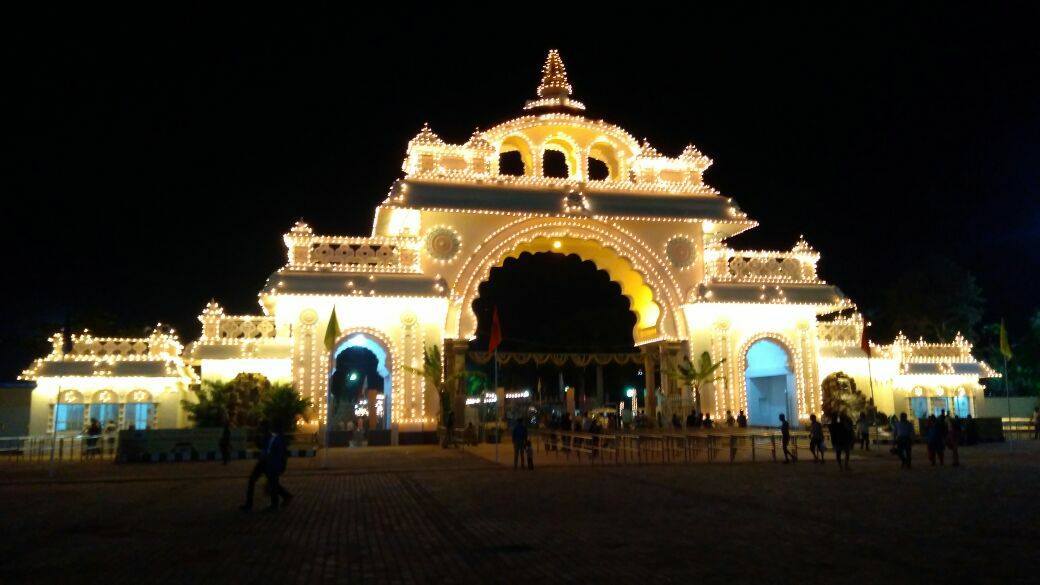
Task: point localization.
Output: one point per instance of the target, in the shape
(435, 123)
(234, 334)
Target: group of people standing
(941, 433)
(703, 420)
(843, 436)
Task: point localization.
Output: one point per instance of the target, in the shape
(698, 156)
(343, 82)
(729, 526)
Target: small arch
(69, 411)
(565, 145)
(104, 407)
(605, 155)
(598, 170)
(511, 164)
(554, 164)
(518, 144)
(139, 410)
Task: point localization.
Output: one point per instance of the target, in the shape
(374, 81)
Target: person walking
(953, 440)
(816, 445)
(863, 432)
(519, 444)
(742, 420)
(262, 438)
(707, 420)
(676, 421)
(730, 421)
(274, 467)
(904, 434)
(841, 439)
(225, 442)
(934, 437)
(785, 440)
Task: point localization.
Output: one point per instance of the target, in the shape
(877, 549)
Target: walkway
(426, 515)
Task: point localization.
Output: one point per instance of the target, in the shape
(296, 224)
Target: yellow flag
(332, 331)
(1005, 346)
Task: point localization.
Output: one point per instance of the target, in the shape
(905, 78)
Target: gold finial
(554, 77)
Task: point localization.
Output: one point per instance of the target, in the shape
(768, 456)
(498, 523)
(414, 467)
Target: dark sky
(158, 157)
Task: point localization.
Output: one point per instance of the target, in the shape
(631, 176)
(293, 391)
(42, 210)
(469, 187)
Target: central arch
(643, 276)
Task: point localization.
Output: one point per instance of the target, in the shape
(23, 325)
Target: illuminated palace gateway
(647, 219)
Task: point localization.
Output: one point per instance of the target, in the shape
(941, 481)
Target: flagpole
(1007, 396)
(328, 416)
(1005, 351)
(498, 431)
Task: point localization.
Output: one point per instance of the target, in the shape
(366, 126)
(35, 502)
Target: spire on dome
(554, 91)
(554, 77)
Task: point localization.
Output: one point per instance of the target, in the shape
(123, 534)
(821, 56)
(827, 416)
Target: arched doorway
(648, 283)
(560, 304)
(770, 384)
(361, 362)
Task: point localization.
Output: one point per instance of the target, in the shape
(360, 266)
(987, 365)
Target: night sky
(157, 158)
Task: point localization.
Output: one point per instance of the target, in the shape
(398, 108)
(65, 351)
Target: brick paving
(426, 515)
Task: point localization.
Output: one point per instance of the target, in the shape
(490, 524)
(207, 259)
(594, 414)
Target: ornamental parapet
(157, 355)
(798, 265)
(218, 327)
(386, 254)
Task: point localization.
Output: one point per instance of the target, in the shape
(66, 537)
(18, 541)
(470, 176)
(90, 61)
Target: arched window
(139, 410)
(104, 407)
(68, 412)
(554, 164)
(603, 157)
(598, 170)
(511, 163)
(514, 157)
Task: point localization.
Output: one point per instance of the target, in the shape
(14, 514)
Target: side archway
(769, 381)
(382, 347)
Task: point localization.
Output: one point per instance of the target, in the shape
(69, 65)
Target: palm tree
(446, 384)
(217, 403)
(283, 407)
(695, 376)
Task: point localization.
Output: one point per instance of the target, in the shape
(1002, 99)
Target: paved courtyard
(426, 515)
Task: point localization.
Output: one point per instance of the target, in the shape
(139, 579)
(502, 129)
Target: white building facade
(649, 220)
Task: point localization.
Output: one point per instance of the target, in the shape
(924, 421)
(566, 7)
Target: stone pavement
(426, 515)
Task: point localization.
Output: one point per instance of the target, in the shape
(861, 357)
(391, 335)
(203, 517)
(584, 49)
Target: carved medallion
(681, 252)
(442, 243)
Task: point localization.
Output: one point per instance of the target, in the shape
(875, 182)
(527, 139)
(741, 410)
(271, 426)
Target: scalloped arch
(645, 278)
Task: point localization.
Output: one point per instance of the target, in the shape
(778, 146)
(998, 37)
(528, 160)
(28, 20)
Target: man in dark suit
(277, 454)
(262, 438)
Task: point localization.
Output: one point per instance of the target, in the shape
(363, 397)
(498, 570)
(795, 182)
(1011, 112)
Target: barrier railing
(59, 448)
(665, 447)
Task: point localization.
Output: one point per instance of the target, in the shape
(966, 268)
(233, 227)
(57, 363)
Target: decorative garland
(558, 359)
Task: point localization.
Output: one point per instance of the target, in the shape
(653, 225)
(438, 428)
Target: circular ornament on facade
(681, 252)
(408, 318)
(309, 316)
(442, 243)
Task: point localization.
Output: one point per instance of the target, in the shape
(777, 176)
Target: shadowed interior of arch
(554, 302)
(633, 284)
(361, 364)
